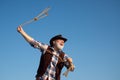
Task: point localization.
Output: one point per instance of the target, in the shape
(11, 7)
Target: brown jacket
(45, 61)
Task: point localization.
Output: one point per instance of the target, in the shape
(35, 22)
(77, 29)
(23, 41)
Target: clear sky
(91, 26)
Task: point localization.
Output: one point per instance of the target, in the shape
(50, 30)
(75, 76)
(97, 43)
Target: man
(52, 58)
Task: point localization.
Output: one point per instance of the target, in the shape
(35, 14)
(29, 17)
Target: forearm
(24, 34)
(71, 65)
(26, 37)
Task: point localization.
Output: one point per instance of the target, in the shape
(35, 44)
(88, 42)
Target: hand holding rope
(70, 67)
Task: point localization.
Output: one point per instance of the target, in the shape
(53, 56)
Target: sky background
(92, 28)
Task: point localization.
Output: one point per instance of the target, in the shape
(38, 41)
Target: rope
(43, 14)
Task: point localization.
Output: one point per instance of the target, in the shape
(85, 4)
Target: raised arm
(24, 34)
(30, 40)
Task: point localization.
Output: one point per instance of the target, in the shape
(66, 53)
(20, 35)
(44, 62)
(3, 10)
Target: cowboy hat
(57, 37)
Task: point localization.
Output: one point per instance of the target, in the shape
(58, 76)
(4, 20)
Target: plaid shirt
(51, 69)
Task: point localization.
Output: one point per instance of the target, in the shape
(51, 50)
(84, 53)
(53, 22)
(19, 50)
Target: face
(59, 44)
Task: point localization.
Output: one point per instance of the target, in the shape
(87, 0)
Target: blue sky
(91, 26)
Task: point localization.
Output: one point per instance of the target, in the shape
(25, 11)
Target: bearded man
(53, 59)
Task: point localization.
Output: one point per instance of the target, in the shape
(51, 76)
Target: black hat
(57, 37)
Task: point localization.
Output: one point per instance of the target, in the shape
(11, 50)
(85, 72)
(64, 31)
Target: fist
(72, 67)
(19, 29)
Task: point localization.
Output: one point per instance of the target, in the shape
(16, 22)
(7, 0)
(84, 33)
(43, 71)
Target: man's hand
(71, 68)
(19, 29)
